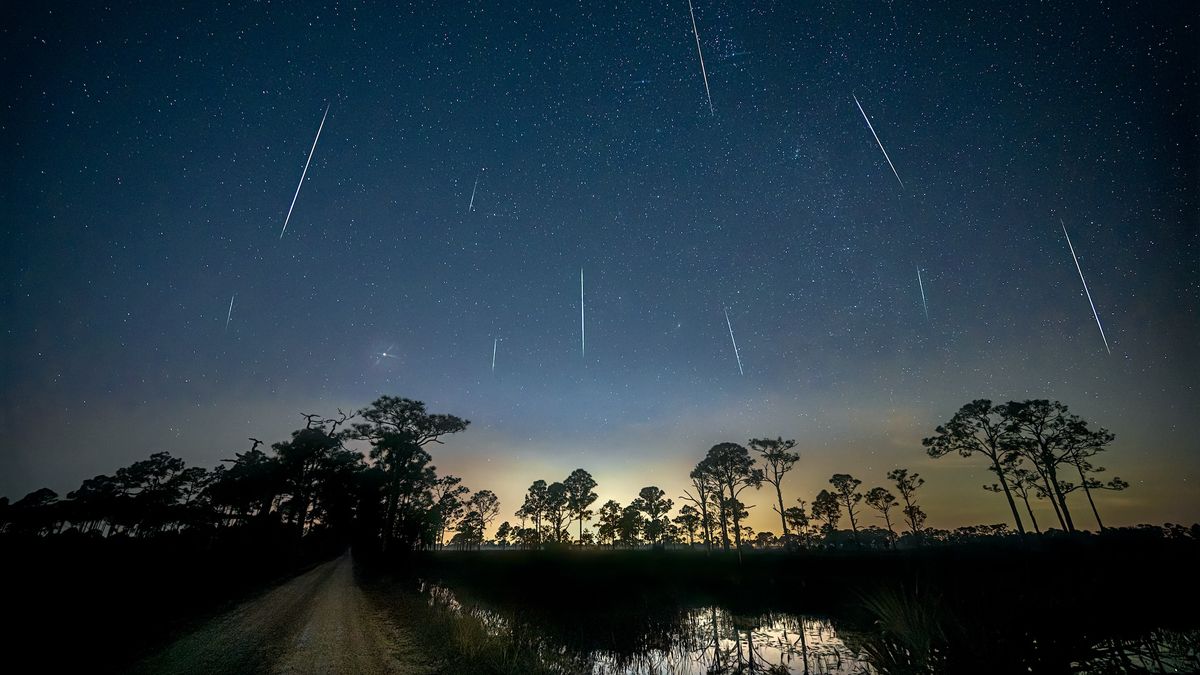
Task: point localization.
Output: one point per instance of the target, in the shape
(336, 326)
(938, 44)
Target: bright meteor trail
(305, 172)
(736, 353)
(1085, 288)
(703, 72)
(230, 314)
(872, 128)
(922, 285)
(495, 343)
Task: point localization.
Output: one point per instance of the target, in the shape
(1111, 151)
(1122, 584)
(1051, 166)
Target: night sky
(150, 155)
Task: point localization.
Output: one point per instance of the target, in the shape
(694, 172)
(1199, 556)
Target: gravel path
(319, 622)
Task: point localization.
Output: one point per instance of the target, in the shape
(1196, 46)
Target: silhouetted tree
(979, 427)
(486, 505)
(652, 502)
(778, 459)
(580, 496)
(448, 504)
(398, 429)
(629, 526)
(845, 488)
(609, 522)
(732, 470)
(826, 507)
(880, 499)
(503, 532)
(688, 521)
(907, 486)
(704, 488)
(1051, 438)
(797, 519)
(557, 510)
(534, 506)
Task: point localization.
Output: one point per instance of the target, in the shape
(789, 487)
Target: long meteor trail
(305, 172)
(229, 315)
(736, 353)
(922, 285)
(495, 343)
(1085, 286)
(872, 128)
(703, 71)
(582, 329)
(471, 206)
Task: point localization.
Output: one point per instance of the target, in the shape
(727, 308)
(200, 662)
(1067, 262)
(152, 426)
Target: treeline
(310, 486)
(391, 497)
(1035, 448)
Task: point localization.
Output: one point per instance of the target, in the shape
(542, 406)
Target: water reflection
(676, 641)
(660, 638)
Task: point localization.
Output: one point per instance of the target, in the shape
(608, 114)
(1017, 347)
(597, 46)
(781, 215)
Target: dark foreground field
(1054, 605)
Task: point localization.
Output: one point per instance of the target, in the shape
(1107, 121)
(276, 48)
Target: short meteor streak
(229, 315)
(922, 285)
(582, 328)
(1085, 286)
(872, 128)
(703, 72)
(736, 353)
(471, 206)
(495, 343)
(304, 173)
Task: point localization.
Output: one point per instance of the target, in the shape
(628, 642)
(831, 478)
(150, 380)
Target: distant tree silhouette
(979, 427)
(486, 505)
(580, 496)
(845, 489)
(629, 526)
(798, 520)
(827, 508)
(652, 502)
(534, 506)
(503, 532)
(778, 459)
(880, 499)
(448, 506)
(704, 489)
(907, 486)
(732, 470)
(689, 521)
(557, 511)
(609, 522)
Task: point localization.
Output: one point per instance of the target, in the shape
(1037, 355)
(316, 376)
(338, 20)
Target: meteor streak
(703, 72)
(1085, 286)
(495, 343)
(736, 353)
(471, 206)
(922, 285)
(872, 128)
(304, 173)
(230, 314)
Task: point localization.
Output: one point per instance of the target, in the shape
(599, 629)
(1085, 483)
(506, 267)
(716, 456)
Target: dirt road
(319, 622)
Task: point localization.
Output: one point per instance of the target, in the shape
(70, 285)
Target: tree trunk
(1053, 501)
(1062, 498)
(1032, 517)
(1086, 491)
(887, 518)
(1008, 495)
(782, 520)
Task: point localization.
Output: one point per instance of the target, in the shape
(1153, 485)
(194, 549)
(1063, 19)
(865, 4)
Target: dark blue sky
(150, 156)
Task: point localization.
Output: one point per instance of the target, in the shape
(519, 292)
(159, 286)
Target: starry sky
(151, 152)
